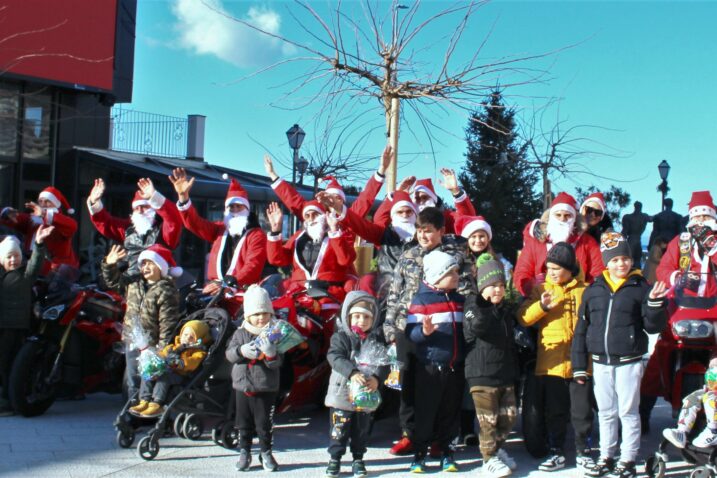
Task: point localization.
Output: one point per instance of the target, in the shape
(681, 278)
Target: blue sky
(642, 72)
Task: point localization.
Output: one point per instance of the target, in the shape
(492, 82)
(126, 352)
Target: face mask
(143, 222)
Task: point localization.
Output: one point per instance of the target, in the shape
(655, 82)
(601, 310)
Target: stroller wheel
(125, 438)
(148, 447)
(229, 436)
(655, 467)
(217, 434)
(192, 428)
(700, 472)
(179, 424)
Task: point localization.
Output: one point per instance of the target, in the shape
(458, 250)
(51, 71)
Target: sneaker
(495, 468)
(140, 407)
(584, 461)
(244, 460)
(404, 446)
(707, 438)
(418, 465)
(603, 466)
(448, 464)
(333, 469)
(153, 409)
(624, 469)
(267, 461)
(553, 463)
(507, 459)
(675, 436)
(435, 451)
(358, 468)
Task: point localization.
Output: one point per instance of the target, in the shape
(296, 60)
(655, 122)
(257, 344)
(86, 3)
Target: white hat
(437, 264)
(257, 301)
(9, 245)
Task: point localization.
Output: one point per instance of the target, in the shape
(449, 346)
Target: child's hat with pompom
(490, 271)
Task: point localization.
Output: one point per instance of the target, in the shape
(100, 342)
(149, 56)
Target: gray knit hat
(490, 271)
(436, 264)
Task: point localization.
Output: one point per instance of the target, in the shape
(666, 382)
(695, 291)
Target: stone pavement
(76, 439)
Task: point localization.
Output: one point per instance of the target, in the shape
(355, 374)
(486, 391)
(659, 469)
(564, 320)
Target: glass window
(36, 129)
(9, 105)
(7, 180)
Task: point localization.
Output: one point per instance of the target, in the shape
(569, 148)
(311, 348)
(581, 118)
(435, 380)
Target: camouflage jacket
(408, 274)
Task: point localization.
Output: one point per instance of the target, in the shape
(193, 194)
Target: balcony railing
(148, 133)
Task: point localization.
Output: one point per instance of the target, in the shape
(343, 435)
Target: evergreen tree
(497, 178)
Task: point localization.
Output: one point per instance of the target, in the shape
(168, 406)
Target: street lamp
(664, 170)
(301, 166)
(295, 135)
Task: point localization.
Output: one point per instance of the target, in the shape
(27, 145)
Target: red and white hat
(334, 187)
(467, 225)
(236, 195)
(54, 195)
(313, 205)
(138, 200)
(564, 202)
(701, 203)
(425, 186)
(161, 256)
(401, 199)
(597, 199)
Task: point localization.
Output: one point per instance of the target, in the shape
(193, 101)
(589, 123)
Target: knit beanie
(613, 244)
(257, 301)
(9, 245)
(563, 255)
(200, 329)
(437, 264)
(490, 271)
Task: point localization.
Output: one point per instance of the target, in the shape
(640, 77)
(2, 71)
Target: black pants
(582, 404)
(131, 373)
(406, 408)
(555, 396)
(438, 396)
(349, 426)
(157, 390)
(255, 415)
(10, 342)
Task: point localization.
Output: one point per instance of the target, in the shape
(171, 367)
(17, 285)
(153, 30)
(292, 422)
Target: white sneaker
(705, 439)
(675, 436)
(553, 463)
(507, 459)
(496, 468)
(585, 462)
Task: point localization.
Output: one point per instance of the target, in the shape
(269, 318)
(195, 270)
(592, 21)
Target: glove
(267, 347)
(249, 351)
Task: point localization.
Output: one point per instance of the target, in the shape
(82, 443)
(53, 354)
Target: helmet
(711, 378)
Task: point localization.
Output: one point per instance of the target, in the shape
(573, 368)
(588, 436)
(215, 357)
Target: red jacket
(249, 255)
(464, 207)
(669, 268)
(115, 228)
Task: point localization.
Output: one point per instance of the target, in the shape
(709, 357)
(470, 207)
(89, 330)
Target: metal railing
(148, 133)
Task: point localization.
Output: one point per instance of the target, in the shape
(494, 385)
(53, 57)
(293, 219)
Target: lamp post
(295, 135)
(301, 166)
(664, 170)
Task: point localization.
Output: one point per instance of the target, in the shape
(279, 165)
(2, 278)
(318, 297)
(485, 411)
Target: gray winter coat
(251, 375)
(345, 346)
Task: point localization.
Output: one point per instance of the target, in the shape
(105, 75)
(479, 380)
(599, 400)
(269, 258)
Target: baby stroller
(704, 459)
(204, 395)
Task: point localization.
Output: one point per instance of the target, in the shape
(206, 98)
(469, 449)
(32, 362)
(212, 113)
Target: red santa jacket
(669, 269)
(249, 255)
(464, 207)
(59, 243)
(115, 228)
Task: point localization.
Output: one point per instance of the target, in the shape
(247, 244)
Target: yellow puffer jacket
(556, 327)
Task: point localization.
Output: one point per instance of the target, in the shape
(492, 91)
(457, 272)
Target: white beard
(317, 229)
(711, 223)
(406, 229)
(429, 203)
(236, 222)
(559, 231)
(143, 222)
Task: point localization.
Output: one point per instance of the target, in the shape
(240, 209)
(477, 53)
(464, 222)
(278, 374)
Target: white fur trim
(378, 178)
(342, 216)
(311, 207)
(702, 210)
(337, 191)
(597, 201)
(336, 234)
(156, 201)
(322, 252)
(50, 197)
(49, 215)
(185, 206)
(563, 207)
(94, 208)
(424, 189)
(463, 196)
(236, 200)
(235, 255)
(401, 204)
(156, 258)
(140, 202)
(276, 183)
(273, 237)
(477, 225)
(673, 277)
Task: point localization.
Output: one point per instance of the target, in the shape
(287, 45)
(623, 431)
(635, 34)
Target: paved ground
(76, 439)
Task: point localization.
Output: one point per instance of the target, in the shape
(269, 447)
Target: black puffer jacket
(488, 332)
(612, 325)
(16, 291)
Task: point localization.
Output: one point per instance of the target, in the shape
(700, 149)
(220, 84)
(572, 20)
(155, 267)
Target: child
(356, 328)
(183, 357)
(491, 364)
(151, 298)
(255, 378)
(703, 399)
(16, 283)
(617, 310)
(553, 306)
(435, 325)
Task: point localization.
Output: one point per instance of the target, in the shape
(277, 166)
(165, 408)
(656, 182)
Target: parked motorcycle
(73, 351)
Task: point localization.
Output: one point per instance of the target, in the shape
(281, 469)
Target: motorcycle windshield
(686, 292)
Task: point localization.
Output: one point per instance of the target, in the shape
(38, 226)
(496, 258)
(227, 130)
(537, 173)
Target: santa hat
(236, 195)
(701, 203)
(425, 186)
(467, 225)
(54, 195)
(564, 202)
(402, 199)
(595, 199)
(334, 187)
(138, 200)
(313, 205)
(161, 256)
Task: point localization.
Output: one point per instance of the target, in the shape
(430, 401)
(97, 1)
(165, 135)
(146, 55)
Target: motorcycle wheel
(29, 394)
(533, 420)
(148, 447)
(125, 438)
(192, 428)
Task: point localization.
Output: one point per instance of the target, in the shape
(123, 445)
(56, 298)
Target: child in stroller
(182, 357)
(705, 399)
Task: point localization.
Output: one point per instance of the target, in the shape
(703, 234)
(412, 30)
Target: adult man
(559, 223)
(48, 210)
(633, 225)
(666, 224)
(154, 220)
(238, 243)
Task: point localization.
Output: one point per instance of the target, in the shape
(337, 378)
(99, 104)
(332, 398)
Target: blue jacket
(445, 345)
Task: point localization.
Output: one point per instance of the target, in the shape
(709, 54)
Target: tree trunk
(392, 126)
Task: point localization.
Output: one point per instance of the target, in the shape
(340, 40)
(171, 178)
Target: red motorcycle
(74, 351)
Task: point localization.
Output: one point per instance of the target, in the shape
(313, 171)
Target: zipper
(607, 326)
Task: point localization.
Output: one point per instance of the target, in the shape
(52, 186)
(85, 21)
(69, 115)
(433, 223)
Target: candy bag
(150, 364)
(372, 356)
(364, 399)
(394, 376)
(282, 334)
